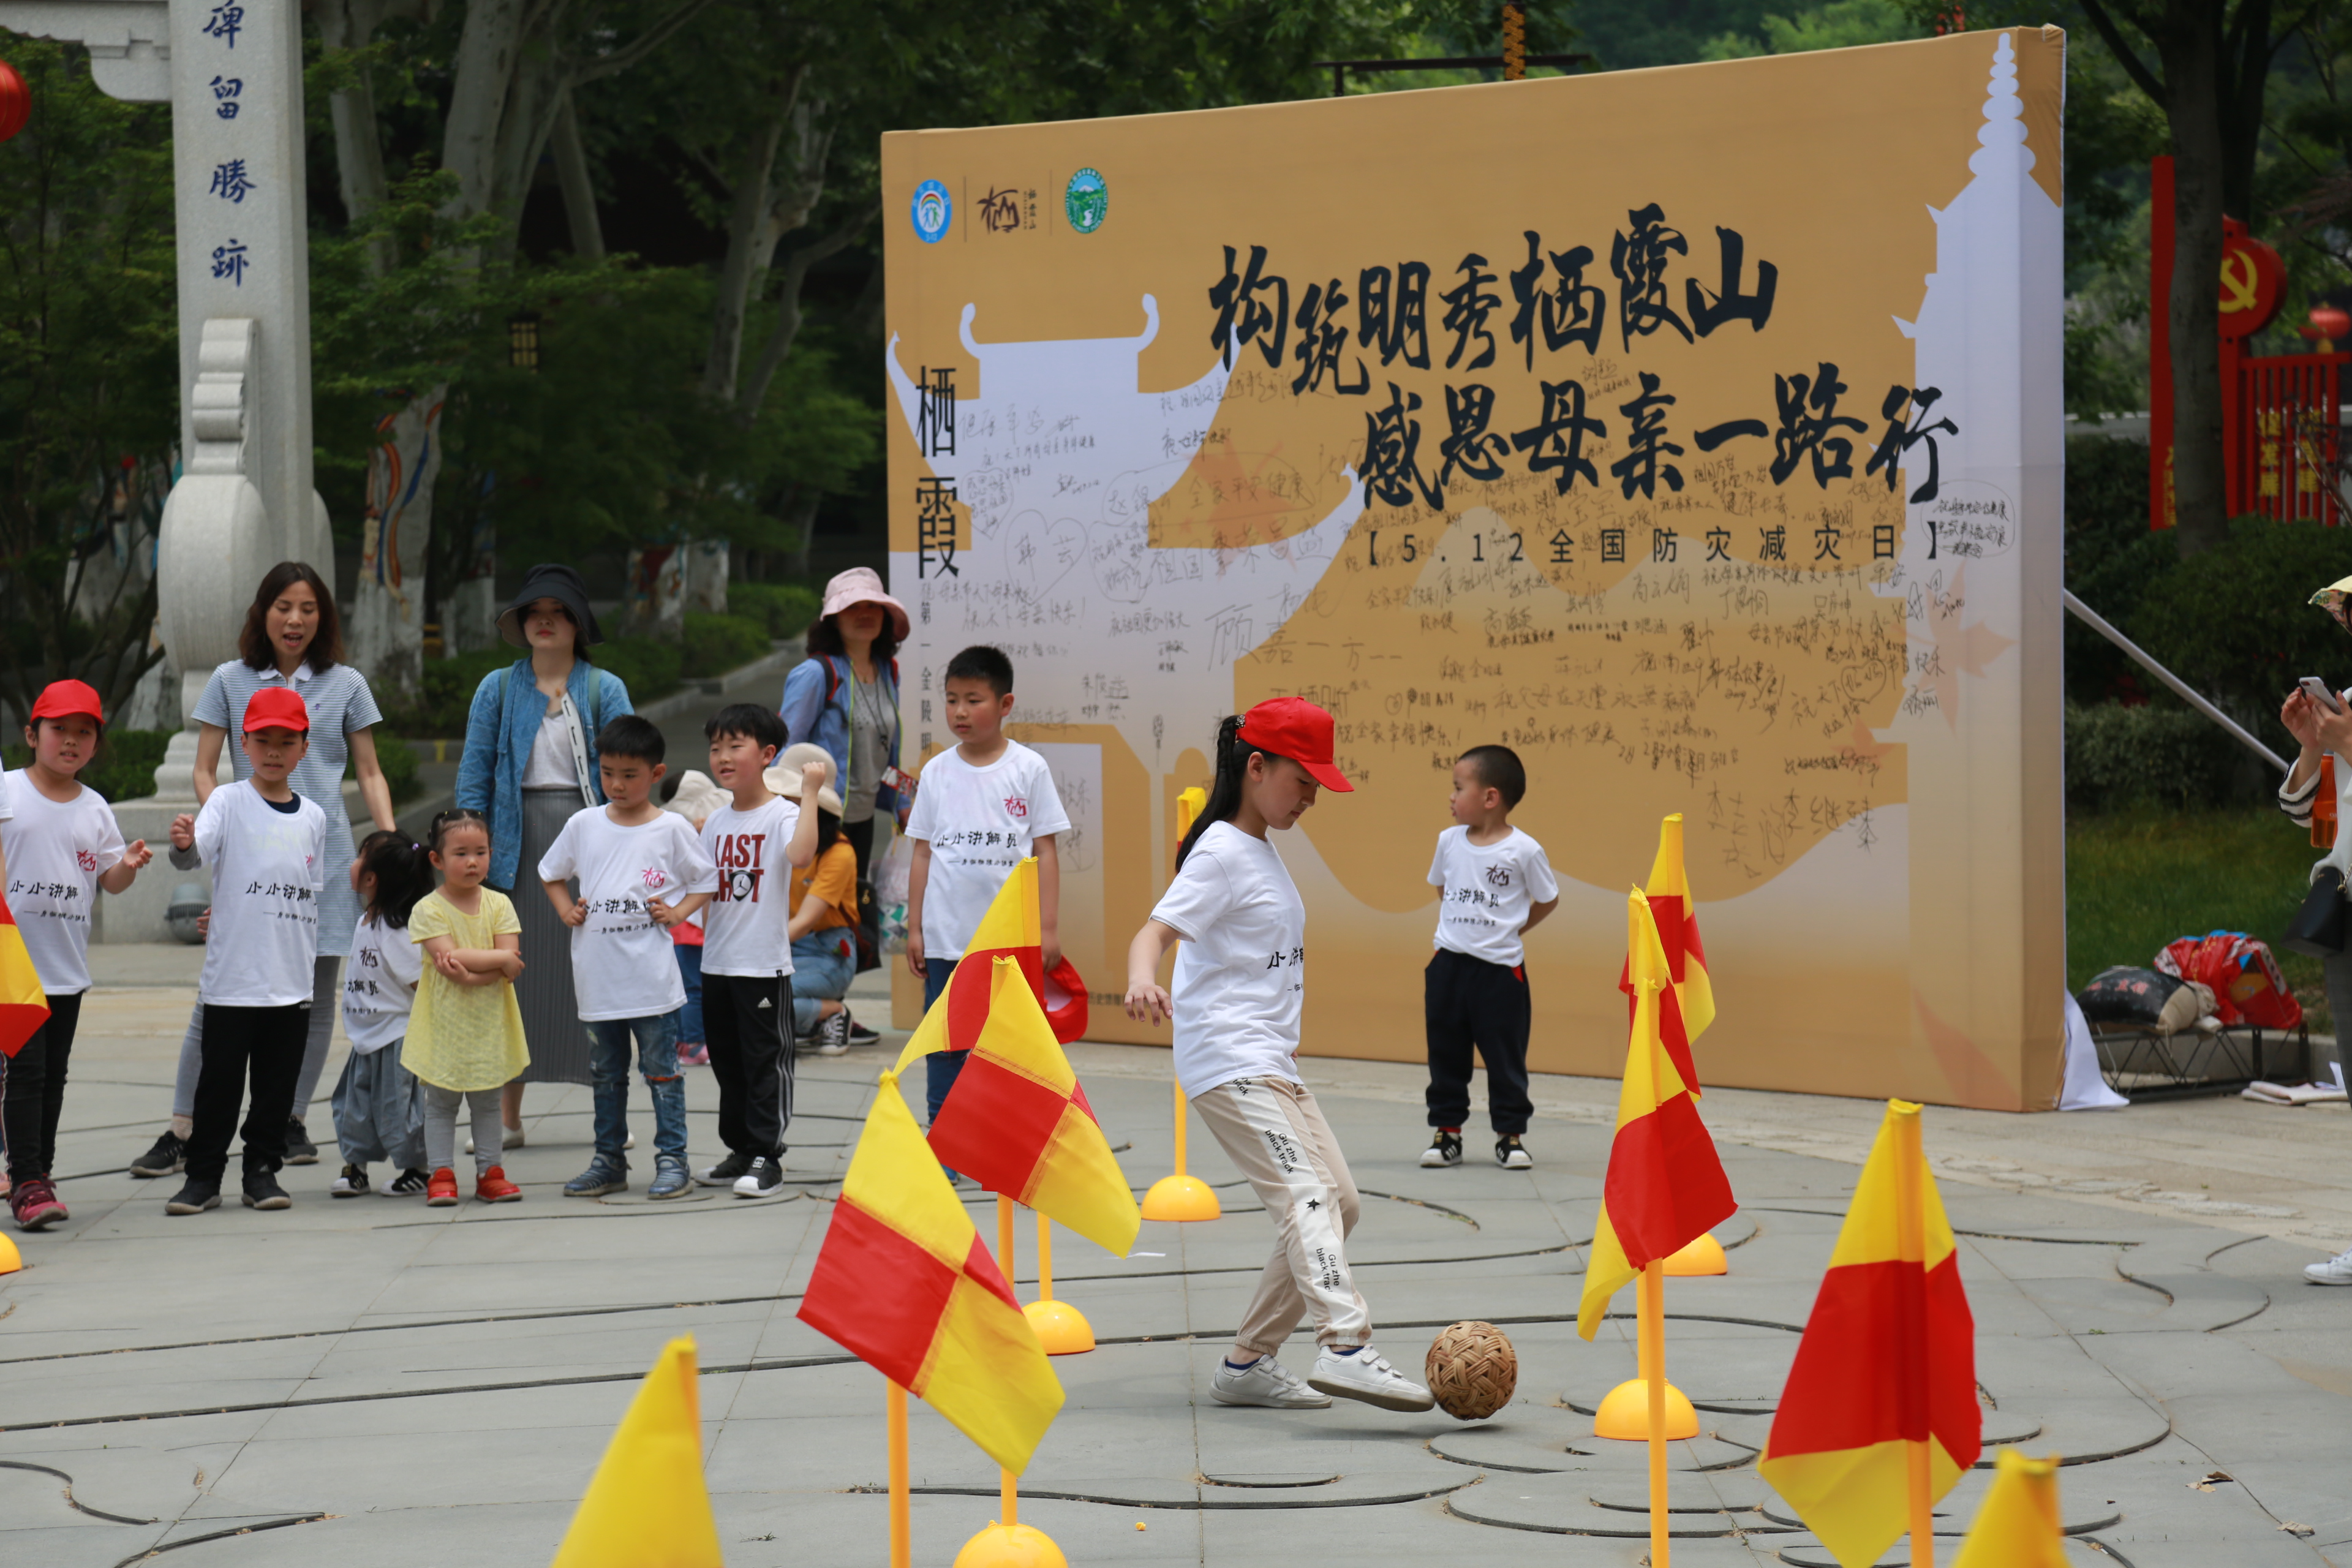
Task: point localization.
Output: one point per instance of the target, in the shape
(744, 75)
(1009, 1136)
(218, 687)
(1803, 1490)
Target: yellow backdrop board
(1694, 432)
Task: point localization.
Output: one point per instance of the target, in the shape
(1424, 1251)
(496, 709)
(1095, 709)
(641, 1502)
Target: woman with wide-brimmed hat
(845, 698)
(530, 762)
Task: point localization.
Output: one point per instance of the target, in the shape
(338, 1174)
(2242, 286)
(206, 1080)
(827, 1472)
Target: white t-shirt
(1487, 892)
(268, 865)
(623, 966)
(56, 853)
(549, 766)
(1240, 975)
(743, 930)
(380, 985)
(979, 823)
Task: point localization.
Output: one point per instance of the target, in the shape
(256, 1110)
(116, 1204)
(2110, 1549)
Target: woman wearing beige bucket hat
(822, 916)
(845, 698)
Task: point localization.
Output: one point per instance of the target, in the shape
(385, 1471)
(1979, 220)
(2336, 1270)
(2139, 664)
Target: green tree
(89, 376)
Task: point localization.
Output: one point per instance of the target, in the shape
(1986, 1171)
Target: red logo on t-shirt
(1017, 806)
(654, 877)
(85, 860)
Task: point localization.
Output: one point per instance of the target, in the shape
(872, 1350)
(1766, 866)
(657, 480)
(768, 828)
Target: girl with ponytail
(1241, 976)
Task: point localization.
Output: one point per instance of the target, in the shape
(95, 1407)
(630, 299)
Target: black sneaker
(407, 1184)
(859, 1035)
(169, 1157)
(299, 1149)
(264, 1192)
(195, 1197)
(351, 1184)
(1445, 1149)
(1511, 1155)
(725, 1172)
(765, 1178)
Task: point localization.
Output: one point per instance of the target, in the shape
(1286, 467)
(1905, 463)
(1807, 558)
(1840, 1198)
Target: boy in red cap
(267, 847)
(1241, 976)
(60, 845)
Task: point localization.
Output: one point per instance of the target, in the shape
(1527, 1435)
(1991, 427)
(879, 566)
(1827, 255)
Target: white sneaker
(1265, 1382)
(1367, 1375)
(2336, 1270)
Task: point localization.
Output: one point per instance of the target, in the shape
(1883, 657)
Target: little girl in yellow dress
(465, 1038)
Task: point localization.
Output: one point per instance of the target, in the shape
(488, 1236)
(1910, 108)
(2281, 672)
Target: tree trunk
(344, 26)
(800, 515)
(751, 245)
(2193, 82)
(387, 640)
(579, 191)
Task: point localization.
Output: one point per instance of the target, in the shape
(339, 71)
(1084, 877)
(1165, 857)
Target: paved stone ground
(370, 1381)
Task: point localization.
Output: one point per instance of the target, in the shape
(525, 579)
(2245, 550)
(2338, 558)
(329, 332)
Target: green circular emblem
(1087, 201)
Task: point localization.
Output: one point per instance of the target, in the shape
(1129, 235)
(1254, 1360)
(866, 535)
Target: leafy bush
(124, 768)
(397, 758)
(2235, 622)
(785, 609)
(650, 668)
(2111, 557)
(2171, 757)
(716, 644)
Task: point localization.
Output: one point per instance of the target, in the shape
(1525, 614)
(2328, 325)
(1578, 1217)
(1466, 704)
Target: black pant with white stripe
(748, 1019)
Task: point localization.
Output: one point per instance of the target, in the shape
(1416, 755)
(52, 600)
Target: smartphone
(2316, 689)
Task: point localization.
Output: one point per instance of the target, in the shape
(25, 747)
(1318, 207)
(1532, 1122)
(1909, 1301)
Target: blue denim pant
(689, 969)
(822, 971)
(608, 1061)
(941, 1068)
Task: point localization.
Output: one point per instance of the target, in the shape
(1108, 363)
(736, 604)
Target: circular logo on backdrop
(1087, 201)
(932, 212)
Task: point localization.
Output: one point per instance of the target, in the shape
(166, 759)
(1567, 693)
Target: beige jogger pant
(1274, 1134)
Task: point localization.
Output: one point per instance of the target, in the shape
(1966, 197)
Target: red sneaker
(494, 1188)
(441, 1191)
(35, 1203)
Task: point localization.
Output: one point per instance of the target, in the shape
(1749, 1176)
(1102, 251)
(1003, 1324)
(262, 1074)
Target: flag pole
(902, 1549)
(1651, 1347)
(1910, 1229)
(1044, 1256)
(1007, 1483)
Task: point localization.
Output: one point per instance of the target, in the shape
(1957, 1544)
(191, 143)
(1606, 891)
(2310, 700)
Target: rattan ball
(1472, 1371)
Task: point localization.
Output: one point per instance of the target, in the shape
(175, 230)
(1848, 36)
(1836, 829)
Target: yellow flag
(2017, 1524)
(648, 1507)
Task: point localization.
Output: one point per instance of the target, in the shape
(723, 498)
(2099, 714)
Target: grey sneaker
(167, 1156)
(1265, 1383)
(1367, 1375)
(725, 1172)
(2336, 1270)
(670, 1178)
(603, 1174)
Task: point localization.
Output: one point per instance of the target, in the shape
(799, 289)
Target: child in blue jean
(642, 871)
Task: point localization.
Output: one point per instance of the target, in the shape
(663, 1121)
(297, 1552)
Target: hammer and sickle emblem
(2238, 282)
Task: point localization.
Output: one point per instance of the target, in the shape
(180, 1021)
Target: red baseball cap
(59, 698)
(1294, 728)
(276, 708)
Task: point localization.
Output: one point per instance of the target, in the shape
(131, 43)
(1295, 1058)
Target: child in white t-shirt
(1496, 887)
(756, 839)
(1241, 980)
(60, 845)
(378, 1104)
(266, 848)
(980, 810)
(642, 871)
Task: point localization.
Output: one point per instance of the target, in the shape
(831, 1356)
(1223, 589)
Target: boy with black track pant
(758, 839)
(1497, 886)
(267, 847)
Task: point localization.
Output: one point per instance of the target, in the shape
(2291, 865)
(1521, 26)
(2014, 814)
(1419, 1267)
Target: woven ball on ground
(1472, 1371)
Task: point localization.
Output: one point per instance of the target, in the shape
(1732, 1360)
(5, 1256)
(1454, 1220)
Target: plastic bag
(890, 880)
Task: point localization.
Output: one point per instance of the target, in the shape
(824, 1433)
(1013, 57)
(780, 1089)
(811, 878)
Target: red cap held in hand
(60, 699)
(1294, 728)
(276, 708)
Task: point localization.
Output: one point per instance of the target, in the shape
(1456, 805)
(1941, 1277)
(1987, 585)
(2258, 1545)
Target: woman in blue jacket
(530, 762)
(845, 698)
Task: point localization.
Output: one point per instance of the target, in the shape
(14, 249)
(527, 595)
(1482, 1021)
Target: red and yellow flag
(1666, 1185)
(1684, 1018)
(1018, 1124)
(1010, 929)
(1888, 1359)
(23, 1007)
(2017, 1524)
(904, 1284)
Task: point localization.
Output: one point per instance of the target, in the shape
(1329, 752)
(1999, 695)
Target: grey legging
(326, 996)
(441, 1126)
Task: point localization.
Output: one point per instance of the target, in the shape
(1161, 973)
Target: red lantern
(15, 102)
